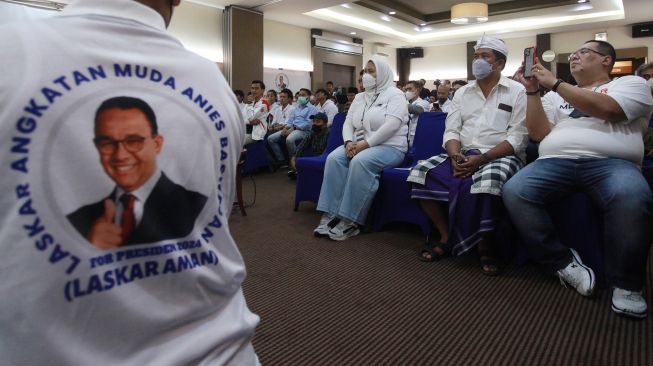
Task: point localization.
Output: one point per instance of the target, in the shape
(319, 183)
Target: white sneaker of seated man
(578, 275)
(344, 230)
(629, 303)
(327, 222)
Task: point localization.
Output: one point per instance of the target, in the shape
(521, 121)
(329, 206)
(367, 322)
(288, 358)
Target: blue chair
(393, 202)
(310, 170)
(256, 157)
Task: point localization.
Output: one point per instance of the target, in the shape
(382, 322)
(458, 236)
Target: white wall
(286, 46)
(441, 62)
(199, 28)
(619, 37)
(391, 59)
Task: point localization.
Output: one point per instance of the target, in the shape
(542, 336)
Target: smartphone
(529, 61)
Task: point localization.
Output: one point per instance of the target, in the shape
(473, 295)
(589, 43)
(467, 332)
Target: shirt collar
(127, 9)
(503, 81)
(143, 192)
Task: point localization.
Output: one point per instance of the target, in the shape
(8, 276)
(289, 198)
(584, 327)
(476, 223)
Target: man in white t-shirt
(281, 115)
(325, 105)
(165, 299)
(256, 114)
(416, 106)
(590, 139)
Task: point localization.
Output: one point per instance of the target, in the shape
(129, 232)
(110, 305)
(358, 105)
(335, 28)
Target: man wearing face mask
(296, 129)
(485, 139)
(416, 106)
(443, 102)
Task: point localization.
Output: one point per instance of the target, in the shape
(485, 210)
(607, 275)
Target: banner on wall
(291, 79)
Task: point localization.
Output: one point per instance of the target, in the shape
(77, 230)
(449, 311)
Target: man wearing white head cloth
(380, 115)
(485, 139)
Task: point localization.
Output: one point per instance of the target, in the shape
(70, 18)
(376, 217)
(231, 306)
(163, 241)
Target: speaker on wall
(643, 30)
(415, 52)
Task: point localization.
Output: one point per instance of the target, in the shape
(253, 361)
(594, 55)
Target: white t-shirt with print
(173, 301)
(590, 137)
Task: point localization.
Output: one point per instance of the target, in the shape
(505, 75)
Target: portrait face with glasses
(127, 146)
(582, 52)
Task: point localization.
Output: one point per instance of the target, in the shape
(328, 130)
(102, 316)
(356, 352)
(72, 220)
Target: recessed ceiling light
(346, 6)
(386, 18)
(582, 1)
(352, 33)
(422, 24)
(392, 12)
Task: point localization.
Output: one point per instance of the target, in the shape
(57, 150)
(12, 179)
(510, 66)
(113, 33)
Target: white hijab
(384, 76)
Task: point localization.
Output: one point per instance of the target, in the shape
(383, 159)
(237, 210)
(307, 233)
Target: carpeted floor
(370, 301)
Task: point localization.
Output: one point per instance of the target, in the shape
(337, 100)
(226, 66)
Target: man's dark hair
(606, 49)
(287, 92)
(500, 56)
(128, 103)
(352, 89)
(415, 83)
(260, 83)
(329, 82)
(239, 93)
(274, 92)
(321, 90)
(308, 91)
(459, 82)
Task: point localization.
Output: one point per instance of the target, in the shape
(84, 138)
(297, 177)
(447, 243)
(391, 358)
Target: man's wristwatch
(555, 86)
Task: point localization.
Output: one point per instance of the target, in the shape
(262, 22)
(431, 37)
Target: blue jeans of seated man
(292, 140)
(349, 186)
(616, 186)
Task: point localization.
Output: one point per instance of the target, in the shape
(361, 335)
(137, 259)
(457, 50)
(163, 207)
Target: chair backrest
(428, 135)
(335, 133)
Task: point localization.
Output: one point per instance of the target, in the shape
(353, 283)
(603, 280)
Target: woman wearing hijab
(375, 138)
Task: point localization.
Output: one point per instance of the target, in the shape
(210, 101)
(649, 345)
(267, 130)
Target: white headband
(492, 43)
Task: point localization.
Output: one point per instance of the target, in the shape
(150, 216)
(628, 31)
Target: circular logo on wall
(281, 81)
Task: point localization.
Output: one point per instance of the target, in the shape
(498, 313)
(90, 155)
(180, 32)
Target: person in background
(271, 97)
(416, 106)
(596, 148)
(351, 94)
(297, 128)
(316, 141)
(256, 114)
(442, 103)
(455, 86)
(351, 174)
(240, 97)
(283, 113)
(424, 94)
(485, 139)
(330, 89)
(325, 105)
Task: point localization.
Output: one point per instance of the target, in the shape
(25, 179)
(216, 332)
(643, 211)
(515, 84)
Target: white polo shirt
(414, 118)
(65, 301)
(482, 123)
(590, 137)
(329, 108)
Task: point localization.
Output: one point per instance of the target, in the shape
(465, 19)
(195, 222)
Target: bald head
(163, 7)
(443, 91)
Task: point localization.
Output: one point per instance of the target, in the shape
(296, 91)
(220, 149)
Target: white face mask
(410, 95)
(369, 82)
(649, 82)
(481, 68)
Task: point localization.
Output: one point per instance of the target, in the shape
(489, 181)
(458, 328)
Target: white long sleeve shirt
(482, 123)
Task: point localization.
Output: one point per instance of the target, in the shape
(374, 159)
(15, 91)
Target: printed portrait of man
(145, 206)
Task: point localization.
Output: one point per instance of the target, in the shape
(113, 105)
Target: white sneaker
(630, 303)
(327, 221)
(578, 275)
(344, 230)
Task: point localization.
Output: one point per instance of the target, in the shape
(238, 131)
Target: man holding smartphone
(485, 139)
(595, 145)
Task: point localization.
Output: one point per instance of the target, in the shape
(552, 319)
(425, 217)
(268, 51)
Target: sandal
(430, 252)
(490, 266)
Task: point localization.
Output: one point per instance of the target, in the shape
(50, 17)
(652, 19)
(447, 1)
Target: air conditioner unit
(337, 45)
(378, 49)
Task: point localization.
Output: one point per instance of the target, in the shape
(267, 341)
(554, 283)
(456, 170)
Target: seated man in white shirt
(485, 139)
(256, 114)
(271, 97)
(325, 105)
(281, 114)
(594, 146)
(416, 106)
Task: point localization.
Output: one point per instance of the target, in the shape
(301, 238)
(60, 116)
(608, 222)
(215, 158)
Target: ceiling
(515, 18)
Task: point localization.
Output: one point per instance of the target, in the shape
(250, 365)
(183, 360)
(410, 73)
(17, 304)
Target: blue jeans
(292, 140)
(616, 186)
(349, 186)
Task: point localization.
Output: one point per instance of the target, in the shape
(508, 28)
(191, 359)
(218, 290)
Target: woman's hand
(360, 146)
(350, 147)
